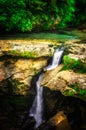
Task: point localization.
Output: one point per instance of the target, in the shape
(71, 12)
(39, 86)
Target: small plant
(68, 93)
(82, 92)
(73, 64)
(78, 89)
(25, 54)
(75, 89)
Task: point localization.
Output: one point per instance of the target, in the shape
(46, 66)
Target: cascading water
(37, 107)
(56, 59)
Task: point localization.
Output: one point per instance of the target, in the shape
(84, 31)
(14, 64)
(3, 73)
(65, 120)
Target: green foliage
(10, 85)
(80, 12)
(68, 92)
(14, 15)
(78, 89)
(26, 54)
(82, 92)
(26, 15)
(75, 90)
(66, 11)
(73, 64)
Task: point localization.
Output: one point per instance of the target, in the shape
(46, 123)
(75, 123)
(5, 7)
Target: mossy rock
(26, 54)
(73, 64)
(14, 87)
(76, 91)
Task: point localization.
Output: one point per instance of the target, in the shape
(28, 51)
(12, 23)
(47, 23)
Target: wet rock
(57, 122)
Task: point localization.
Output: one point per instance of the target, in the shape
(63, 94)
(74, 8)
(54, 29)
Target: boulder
(57, 122)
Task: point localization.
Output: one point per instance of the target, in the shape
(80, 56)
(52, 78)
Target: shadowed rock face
(60, 112)
(14, 112)
(57, 122)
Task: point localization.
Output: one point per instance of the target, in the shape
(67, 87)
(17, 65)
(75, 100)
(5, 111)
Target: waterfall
(56, 59)
(37, 107)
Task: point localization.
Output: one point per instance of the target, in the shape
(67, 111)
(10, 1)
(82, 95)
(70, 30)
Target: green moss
(10, 86)
(68, 92)
(15, 83)
(75, 90)
(73, 64)
(75, 85)
(25, 54)
(82, 92)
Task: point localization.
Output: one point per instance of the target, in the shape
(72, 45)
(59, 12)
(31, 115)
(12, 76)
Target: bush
(73, 64)
(75, 90)
(14, 15)
(26, 15)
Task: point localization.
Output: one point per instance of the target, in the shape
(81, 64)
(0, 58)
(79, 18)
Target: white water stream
(56, 59)
(37, 107)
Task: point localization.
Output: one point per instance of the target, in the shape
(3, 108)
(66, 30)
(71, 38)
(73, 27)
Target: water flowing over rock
(56, 59)
(37, 107)
(21, 61)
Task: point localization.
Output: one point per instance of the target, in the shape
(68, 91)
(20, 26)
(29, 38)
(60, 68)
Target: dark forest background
(30, 15)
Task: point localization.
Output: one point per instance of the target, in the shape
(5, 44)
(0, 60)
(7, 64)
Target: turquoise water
(50, 36)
